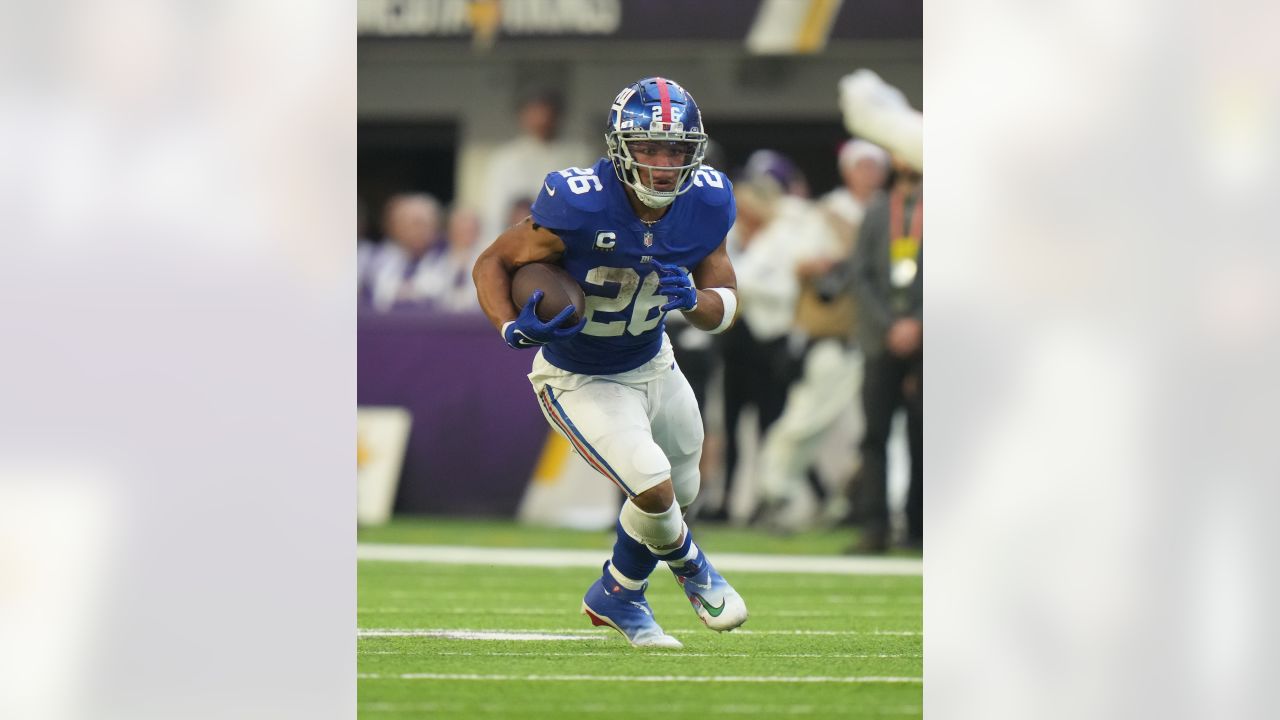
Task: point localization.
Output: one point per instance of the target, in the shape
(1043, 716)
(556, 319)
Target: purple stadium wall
(477, 430)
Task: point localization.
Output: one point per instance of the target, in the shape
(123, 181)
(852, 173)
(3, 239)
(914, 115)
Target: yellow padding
(550, 467)
(817, 25)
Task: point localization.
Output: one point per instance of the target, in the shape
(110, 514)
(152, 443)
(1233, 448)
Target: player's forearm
(710, 314)
(493, 289)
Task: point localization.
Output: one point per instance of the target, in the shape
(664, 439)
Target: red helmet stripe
(665, 96)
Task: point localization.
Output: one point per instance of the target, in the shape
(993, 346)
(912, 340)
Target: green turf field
(818, 646)
(507, 533)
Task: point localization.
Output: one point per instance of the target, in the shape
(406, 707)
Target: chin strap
(653, 201)
(647, 196)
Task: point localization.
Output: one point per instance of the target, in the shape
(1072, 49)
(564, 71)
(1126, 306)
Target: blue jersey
(609, 251)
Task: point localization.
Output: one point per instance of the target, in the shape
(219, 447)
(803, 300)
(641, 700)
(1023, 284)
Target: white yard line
(853, 612)
(625, 652)
(730, 562)
(577, 634)
(642, 678)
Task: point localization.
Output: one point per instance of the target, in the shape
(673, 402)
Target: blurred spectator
(714, 155)
(364, 246)
(517, 167)
(398, 270)
(780, 168)
(773, 232)
(520, 209)
(864, 166)
(830, 365)
(449, 273)
(887, 272)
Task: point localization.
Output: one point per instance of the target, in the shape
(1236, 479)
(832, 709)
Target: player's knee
(646, 469)
(657, 498)
(684, 467)
(686, 480)
(687, 493)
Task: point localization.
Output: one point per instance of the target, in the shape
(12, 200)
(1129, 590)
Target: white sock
(623, 580)
(693, 553)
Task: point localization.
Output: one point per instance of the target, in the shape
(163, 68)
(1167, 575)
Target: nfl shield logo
(648, 239)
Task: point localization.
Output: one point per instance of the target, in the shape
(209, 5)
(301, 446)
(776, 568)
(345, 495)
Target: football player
(643, 233)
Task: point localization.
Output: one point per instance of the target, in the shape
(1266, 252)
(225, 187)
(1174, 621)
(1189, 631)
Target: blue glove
(528, 331)
(676, 285)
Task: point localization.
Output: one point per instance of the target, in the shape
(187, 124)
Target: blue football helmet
(655, 110)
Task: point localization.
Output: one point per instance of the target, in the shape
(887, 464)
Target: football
(559, 290)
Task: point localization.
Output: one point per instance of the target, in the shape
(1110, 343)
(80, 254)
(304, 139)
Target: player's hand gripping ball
(528, 331)
(677, 286)
(552, 306)
(559, 290)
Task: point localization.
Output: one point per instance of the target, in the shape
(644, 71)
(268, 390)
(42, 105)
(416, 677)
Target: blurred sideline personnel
(887, 273)
(864, 167)
(888, 270)
(628, 230)
(516, 167)
(777, 228)
(830, 367)
(398, 271)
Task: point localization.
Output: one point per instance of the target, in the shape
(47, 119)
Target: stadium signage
(766, 25)
(467, 18)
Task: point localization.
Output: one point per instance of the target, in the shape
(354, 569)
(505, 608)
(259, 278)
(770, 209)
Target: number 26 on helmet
(655, 118)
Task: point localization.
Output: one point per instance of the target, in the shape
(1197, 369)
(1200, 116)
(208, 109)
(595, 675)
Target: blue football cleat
(717, 604)
(609, 604)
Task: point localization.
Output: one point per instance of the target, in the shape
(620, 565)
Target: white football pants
(635, 433)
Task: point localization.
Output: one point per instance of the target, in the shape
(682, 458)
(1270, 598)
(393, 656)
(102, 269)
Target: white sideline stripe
(472, 611)
(664, 709)
(477, 635)
(572, 634)
(539, 557)
(642, 678)
(828, 632)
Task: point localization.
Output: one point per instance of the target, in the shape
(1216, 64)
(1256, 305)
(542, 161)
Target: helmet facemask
(634, 173)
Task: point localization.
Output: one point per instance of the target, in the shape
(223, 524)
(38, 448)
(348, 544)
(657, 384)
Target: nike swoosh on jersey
(550, 190)
(712, 610)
